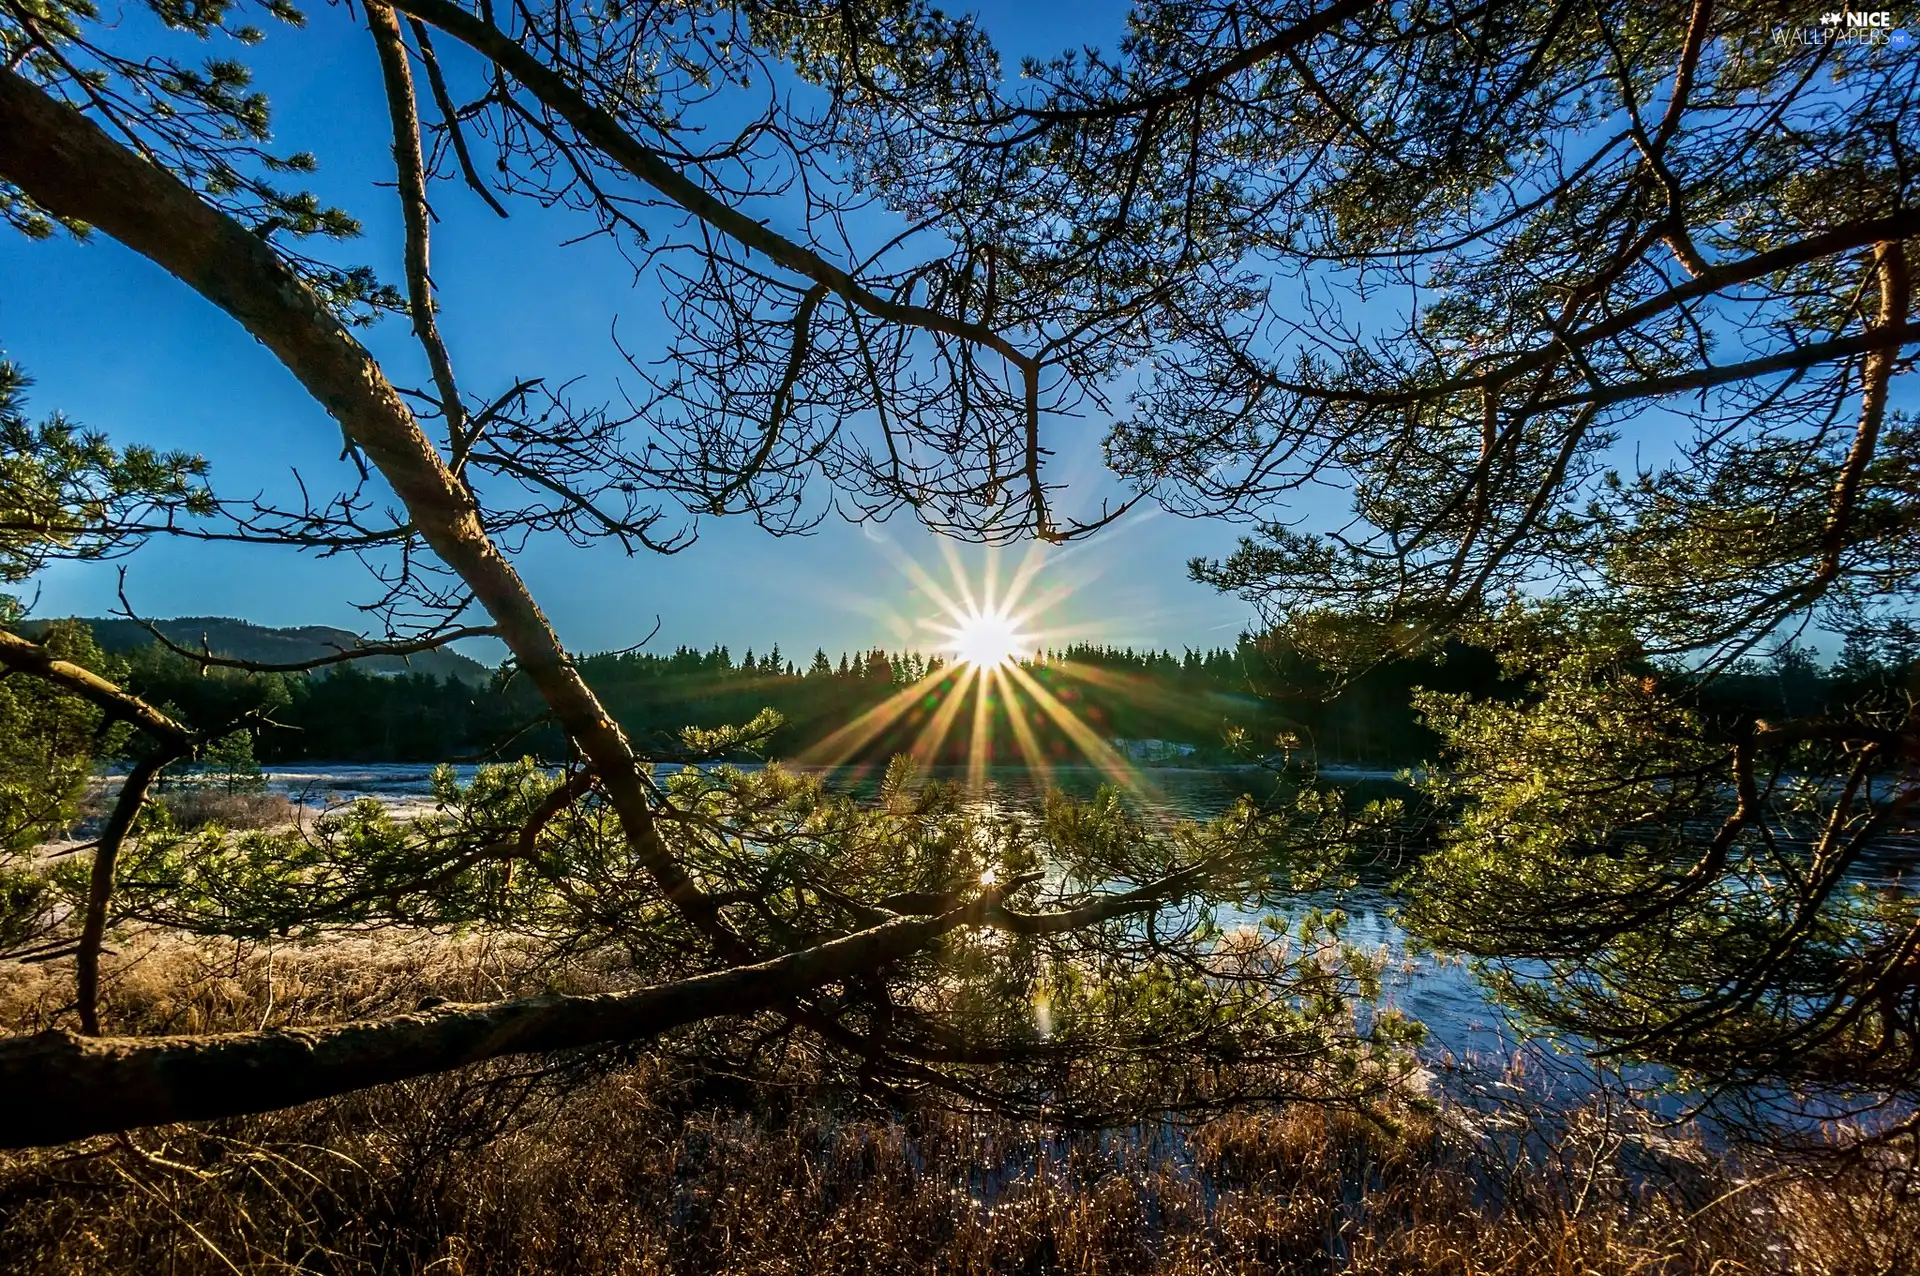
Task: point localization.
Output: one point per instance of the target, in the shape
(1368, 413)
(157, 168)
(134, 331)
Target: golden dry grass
(503, 1170)
(196, 807)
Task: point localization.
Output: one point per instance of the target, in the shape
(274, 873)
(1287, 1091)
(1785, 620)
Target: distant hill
(243, 640)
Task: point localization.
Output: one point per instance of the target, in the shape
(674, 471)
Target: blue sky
(118, 345)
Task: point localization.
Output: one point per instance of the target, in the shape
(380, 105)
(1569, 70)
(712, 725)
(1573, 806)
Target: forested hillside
(244, 640)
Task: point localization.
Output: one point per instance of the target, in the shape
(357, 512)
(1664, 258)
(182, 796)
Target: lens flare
(989, 684)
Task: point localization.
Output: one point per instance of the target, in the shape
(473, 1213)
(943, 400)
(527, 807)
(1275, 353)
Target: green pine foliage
(65, 492)
(1259, 1009)
(49, 742)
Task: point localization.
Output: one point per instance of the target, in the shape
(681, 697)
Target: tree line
(1268, 693)
(347, 714)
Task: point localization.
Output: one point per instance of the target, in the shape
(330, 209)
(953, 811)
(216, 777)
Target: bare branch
(410, 170)
(606, 133)
(450, 116)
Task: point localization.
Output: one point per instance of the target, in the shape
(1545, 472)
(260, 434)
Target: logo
(1845, 26)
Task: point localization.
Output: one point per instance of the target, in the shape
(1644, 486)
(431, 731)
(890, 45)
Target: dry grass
(506, 1169)
(157, 981)
(194, 808)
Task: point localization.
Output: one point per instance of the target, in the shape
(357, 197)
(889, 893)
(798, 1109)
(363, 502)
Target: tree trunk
(61, 1086)
(70, 167)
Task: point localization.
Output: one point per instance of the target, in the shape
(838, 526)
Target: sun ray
(843, 744)
(933, 589)
(1202, 712)
(1025, 742)
(1038, 606)
(981, 740)
(1030, 564)
(986, 639)
(927, 745)
(1128, 685)
(958, 571)
(988, 624)
(1097, 751)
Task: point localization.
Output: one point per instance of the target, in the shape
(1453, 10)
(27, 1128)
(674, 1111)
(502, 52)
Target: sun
(987, 639)
(1002, 690)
